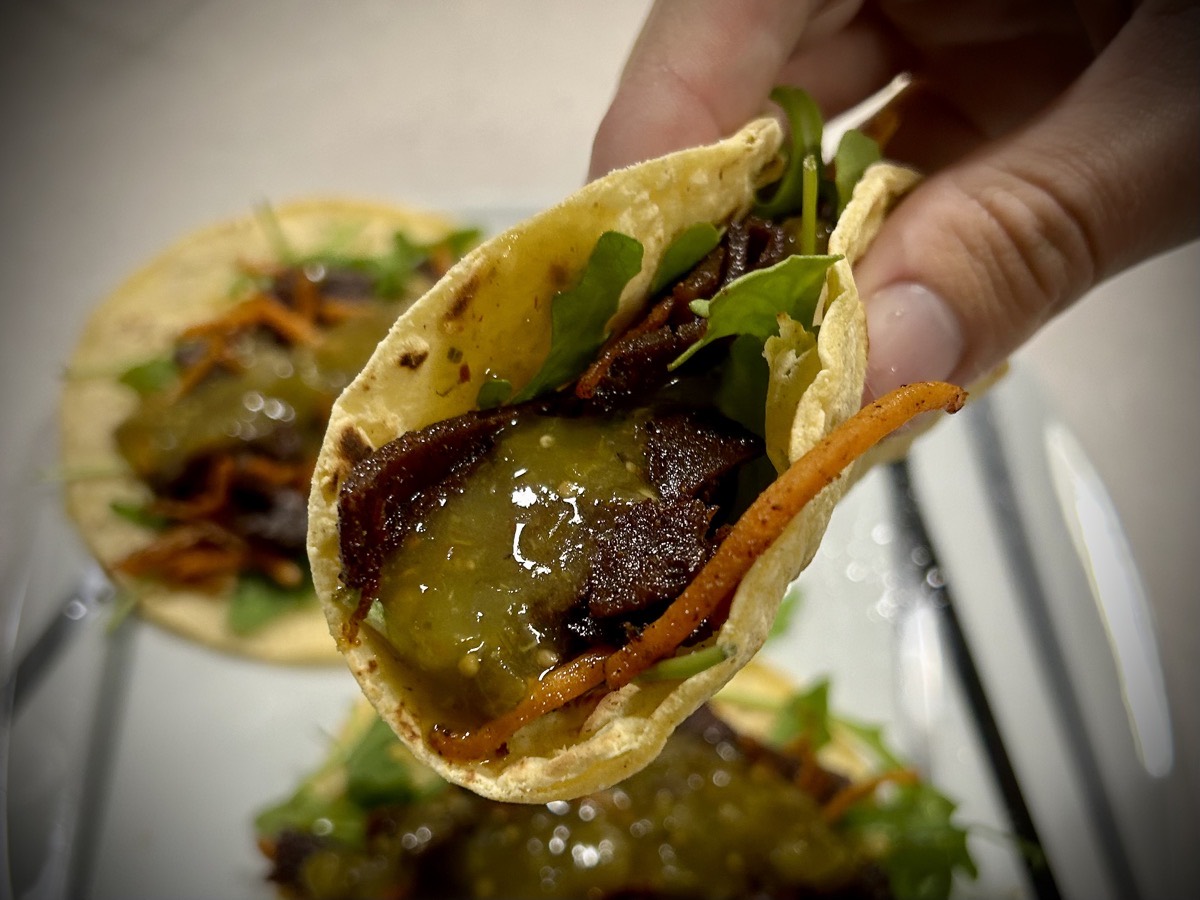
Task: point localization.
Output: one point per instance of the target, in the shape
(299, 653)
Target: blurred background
(128, 123)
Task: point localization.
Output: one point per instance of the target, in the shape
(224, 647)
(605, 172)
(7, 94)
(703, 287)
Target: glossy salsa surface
(711, 817)
(280, 393)
(473, 600)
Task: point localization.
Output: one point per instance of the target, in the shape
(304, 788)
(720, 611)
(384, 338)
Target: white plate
(138, 761)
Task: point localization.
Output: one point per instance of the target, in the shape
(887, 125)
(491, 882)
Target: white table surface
(128, 123)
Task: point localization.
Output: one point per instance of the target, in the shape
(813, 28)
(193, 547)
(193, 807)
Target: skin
(1061, 141)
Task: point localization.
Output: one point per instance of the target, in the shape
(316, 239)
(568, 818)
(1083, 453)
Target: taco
(761, 792)
(508, 534)
(197, 397)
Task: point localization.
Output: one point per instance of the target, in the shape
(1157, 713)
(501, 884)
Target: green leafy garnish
(804, 118)
(855, 153)
(810, 181)
(138, 514)
(265, 213)
(151, 376)
(805, 716)
(379, 772)
(494, 392)
(691, 246)
(306, 810)
(367, 768)
(752, 303)
(789, 606)
(919, 847)
(257, 600)
(742, 390)
(907, 828)
(391, 272)
(579, 315)
(685, 665)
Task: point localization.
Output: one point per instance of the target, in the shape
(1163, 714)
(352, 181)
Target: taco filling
(513, 539)
(605, 469)
(489, 548)
(761, 792)
(229, 423)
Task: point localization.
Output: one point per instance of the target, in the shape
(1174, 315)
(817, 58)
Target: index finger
(698, 71)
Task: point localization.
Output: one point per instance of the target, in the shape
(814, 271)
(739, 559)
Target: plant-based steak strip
(549, 535)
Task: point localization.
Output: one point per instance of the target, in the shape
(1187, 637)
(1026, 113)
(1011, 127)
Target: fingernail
(913, 336)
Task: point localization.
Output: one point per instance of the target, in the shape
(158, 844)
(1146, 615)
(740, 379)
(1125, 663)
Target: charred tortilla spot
(412, 359)
(559, 275)
(352, 446)
(462, 300)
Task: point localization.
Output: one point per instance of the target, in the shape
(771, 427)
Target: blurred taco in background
(197, 397)
(562, 502)
(762, 792)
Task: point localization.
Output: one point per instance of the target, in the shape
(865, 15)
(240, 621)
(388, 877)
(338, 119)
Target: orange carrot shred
(767, 517)
(841, 802)
(758, 527)
(208, 501)
(555, 689)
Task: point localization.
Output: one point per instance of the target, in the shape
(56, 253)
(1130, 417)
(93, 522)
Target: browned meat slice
(648, 556)
(689, 453)
(386, 495)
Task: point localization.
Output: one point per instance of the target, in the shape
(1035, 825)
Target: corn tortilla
(189, 283)
(491, 314)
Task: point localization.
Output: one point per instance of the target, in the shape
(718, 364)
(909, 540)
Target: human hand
(1061, 140)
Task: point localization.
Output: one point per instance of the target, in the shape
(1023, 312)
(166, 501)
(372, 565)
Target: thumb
(982, 254)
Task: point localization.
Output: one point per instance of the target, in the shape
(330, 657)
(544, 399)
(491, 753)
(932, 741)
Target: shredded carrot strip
(276, 473)
(555, 689)
(333, 311)
(841, 802)
(307, 296)
(767, 517)
(758, 527)
(208, 501)
(257, 310)
(199, 554)
(215, 354)
(283, 571)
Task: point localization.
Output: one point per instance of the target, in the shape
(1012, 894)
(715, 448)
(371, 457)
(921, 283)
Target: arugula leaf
(741, 394)
(306, 810)
(921, 847)
(804, 715)
(493, 392)
(378, 773)
(789, 607)
(579, 314)
(685, 665)
(692, 245)
(138, 514)
(855, 153)
(151, 376)
(391, 272)
(257, 600)
(804, 118)
(872, 737)
(752, 303)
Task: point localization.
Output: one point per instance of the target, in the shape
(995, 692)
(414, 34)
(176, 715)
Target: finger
(699, 70)
(980, 255)
(846, 65)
